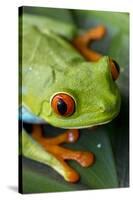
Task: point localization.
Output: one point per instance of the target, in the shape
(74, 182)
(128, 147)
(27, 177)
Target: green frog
(66, 84)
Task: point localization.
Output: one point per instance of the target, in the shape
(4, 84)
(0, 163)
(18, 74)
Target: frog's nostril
(115, 69)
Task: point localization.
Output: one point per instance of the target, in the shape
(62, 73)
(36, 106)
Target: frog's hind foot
(82, 42)
(85, 159)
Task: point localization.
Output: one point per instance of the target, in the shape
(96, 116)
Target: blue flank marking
(28, 117)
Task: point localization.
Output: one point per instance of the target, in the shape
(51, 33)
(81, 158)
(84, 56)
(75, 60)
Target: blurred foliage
(110, 142)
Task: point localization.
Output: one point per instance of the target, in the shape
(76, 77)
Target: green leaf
(62, 15)
(37, 178)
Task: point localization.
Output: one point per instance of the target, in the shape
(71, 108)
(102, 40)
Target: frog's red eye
(115, 69)
(63, 104)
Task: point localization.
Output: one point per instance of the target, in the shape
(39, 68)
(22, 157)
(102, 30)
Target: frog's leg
(85, 159)
(82, 42)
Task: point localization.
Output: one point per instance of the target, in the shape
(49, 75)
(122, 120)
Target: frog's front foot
(85, 159)
(82, 42)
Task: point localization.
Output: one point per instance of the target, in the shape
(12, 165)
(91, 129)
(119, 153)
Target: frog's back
(43, 53)
(46, 49)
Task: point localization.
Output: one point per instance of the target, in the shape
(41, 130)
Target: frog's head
(83, 95)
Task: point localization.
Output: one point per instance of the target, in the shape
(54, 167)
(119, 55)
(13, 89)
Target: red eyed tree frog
(65, 84)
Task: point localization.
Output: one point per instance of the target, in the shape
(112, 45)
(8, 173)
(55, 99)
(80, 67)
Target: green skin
(50, 65)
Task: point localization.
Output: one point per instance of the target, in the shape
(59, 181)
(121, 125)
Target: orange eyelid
(68, 100)
(114, 70)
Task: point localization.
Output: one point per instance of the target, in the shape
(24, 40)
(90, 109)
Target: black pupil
(117, 66)
(61, 106)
